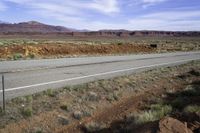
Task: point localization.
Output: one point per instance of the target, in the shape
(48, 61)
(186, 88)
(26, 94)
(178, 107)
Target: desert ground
(161, 100)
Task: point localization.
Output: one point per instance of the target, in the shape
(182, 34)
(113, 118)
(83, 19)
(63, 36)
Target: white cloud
(102, 6)
(173, 20)
(174, 15)
(19, 1)
(144, 3)
(105, 6)
(169, 21)
(152, 1)
(50, 8)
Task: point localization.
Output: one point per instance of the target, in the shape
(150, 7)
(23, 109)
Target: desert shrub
(32, 42)
(192, 109)
(1, 43)
(78, 115)
(113, 96)
(92, 96)
(195, 73)
(67, 88)
(191, 90)
(50, 93)
(17, 56)
(80, 87)
(179, 102)
(144, 117)
(32, 56)
(87, 113)
(63, 120)
(94, 127)
(39, 131)
(27, 112)
(1, 110)
(110, 97)
(161, 110)
(156, 112)
(34, 130)
(119, 43)
(29, 98)
(19, 100)
(64, 107)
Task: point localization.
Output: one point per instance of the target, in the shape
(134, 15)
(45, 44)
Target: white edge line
(94, 75)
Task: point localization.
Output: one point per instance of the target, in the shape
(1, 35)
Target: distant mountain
(2, 22)
(109, 30)
(37, 28)
(31, 26)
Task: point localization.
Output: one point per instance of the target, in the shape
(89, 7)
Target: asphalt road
(30, 76)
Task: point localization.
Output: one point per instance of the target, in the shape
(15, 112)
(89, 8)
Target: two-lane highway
(30, 76)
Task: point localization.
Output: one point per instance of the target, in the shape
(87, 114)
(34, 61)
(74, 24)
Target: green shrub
(1, 43)
(192, 109)
(17, 56)
(144, 117)
(32, 56)
(1, 110)
(50, 93)
(87, 113)
(64, 107)
(80, 87)
(156, 112)
(179, 102)
(29, 99)
(39, 131)
(94, 127)
(119, 43)
(78, 115)
(27, 112)
(191, 90)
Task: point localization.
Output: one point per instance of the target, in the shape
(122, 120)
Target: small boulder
(171, 125)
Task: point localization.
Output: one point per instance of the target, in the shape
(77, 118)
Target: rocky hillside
(31, 27)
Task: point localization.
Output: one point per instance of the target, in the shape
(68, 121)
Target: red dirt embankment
(49, 50)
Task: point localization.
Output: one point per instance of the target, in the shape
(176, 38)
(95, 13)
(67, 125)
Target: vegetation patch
(192, 109)
(17, 56)
(64, 107)
(27, 111)
(92, 127)
(78, 115)
(50, 93)
(156, 112)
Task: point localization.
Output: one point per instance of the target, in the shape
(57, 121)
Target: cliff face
(36, 28)
(135, 33)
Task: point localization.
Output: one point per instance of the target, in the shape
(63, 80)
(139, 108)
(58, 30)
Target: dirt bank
(59, 50)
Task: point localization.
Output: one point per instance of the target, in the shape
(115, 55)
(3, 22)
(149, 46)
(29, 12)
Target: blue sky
(172, 15)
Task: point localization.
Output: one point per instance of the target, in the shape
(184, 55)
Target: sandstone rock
(171, 125)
